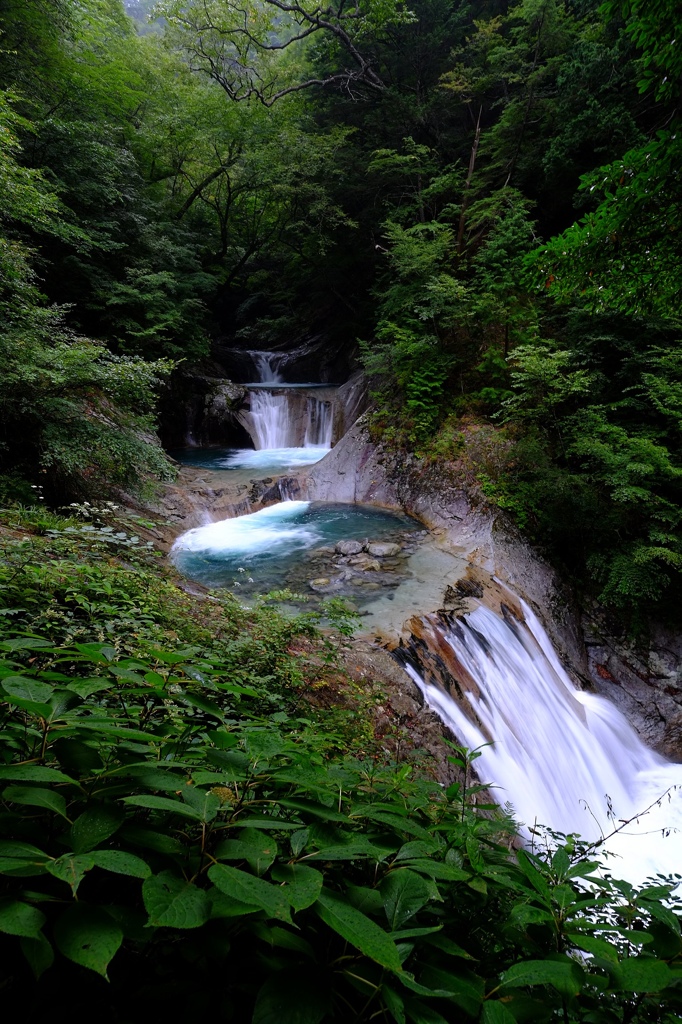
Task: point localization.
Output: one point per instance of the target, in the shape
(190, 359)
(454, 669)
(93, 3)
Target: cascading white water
(561, 757)
(277, 420)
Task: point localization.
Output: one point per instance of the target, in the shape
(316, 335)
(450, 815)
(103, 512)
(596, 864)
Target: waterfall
(562, 757)
(286, 418)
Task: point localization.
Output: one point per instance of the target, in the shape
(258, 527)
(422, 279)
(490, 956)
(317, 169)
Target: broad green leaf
(25, 644)
(97, 823)
(598, 947)
(264, 743)
(80, 758)
(495, 1012)
(35, 797)
(358, 929)
(394, 1003)
(226, 906)
(27, 689)
(417, 848)
(172, 902)
(281, 938)
(205, 803)
(421, 1013)
(642, 974)
(369, 901)
(86, 687)
(536, 879)
(303, 884)
(564, 975)
(121, 863)
(71, 868)
(32, 707)
(397, 821)
(33, 773)
(101, 654)
(209, 707)
(21, 859)
(18, 918)
(251, 890)
(257, 849)
(404, 894)
(436, 869)
(314, 809)
(39, 954)
(291, 998)
(152, 839)
(162, 803)
(88, 936)
(466, 989)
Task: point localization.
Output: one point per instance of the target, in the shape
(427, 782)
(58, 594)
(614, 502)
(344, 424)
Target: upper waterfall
(283, 416)
(562, 757)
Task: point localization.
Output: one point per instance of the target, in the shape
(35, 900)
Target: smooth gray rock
(383, 550)
(349, 547)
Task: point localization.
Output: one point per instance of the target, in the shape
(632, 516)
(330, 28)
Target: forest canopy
(478, 200)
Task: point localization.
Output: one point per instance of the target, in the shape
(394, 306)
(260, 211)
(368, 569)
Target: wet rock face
(643, 679)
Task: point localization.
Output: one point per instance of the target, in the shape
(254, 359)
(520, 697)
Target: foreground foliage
(182, 832)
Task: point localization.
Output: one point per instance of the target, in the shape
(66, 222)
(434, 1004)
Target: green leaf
(121, 863)
(436, 869)
(466, 989)
(251, 890)
(88, 936)
(303, 884)
(252, 846)
(27, 689)
(33, 773)
(209, 707)
(172, 902)
(162, 803)
(36, 797)
(226, 906)
(404, 894)
(152, 839)
(18, 918)
(71, 868)
(598, 947)
(495, 1012)
(21, 859)
(394, 1003)
(94, 825)
(565, 975)
(39, 953)
(359, 930)
(420, 1013)
(293, 997)
(642, 974)
(205, 803)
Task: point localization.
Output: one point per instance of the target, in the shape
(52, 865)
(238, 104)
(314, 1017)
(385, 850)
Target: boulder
(349, 547)
(383, 550)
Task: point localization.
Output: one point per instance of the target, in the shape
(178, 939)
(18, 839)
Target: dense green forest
(478, 202)
(481, 198)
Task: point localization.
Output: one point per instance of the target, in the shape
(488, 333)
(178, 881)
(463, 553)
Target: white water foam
(273, 459)
(561, 757)
(270, 529)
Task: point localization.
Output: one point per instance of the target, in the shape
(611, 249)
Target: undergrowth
(183, 832)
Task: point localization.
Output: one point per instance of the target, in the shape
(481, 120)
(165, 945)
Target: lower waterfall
(561, 757)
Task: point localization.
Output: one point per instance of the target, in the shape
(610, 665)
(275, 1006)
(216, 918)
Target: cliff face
(644, 680)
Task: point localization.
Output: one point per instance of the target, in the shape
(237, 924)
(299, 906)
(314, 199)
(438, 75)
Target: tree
(259, 50)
